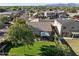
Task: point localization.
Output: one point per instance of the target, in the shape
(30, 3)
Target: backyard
(31, 50)
(44, 48)
(19, 41)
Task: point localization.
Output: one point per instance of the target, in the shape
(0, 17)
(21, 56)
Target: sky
(22, 4)
(34, 2)
(39, 1)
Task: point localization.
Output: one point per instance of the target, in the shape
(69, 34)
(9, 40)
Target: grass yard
(31, 51)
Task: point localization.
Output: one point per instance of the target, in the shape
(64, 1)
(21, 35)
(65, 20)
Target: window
(64, 27)
(72, 27)
(45, 34)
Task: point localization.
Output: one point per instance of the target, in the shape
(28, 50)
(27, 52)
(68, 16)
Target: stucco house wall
(67, 27)
(58, 25)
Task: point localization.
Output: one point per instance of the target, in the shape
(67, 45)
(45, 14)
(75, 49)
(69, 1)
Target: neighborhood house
(41, 28)
(67, 27)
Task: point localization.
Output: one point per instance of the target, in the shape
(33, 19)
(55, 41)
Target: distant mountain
(68, 4)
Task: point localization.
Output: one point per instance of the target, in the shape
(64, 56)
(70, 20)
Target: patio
(74, 44)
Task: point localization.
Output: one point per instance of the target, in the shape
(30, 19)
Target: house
(67, 27)
(46, 20)
(55, 14)
(47, 16)
(72, 14)
(39, 15)
(32, 19)
(63, 15)
(41, 28)
(50, 14)
(25, 16)
(76, 17)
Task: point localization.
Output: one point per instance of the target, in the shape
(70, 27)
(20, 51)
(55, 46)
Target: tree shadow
(53, 51)
(50, 51)
(6, 46)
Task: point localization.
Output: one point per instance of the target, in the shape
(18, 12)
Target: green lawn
(33, 50)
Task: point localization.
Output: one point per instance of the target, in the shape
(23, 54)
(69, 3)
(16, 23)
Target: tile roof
(43, 26)
(65, 20)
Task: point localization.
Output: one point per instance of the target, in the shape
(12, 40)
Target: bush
(55, 51)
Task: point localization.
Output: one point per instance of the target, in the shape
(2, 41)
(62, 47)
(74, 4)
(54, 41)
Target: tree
(2, 10)
(19, 33)
(3, 19)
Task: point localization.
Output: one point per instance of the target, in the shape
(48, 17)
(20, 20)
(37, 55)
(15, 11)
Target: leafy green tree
(19, 33)
(2, 10)
(3, 19)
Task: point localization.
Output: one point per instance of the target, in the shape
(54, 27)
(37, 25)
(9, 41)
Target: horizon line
(30, 4)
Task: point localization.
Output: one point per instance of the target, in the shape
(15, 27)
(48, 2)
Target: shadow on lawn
(6, 46)
(54, 51)
(50, 51)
